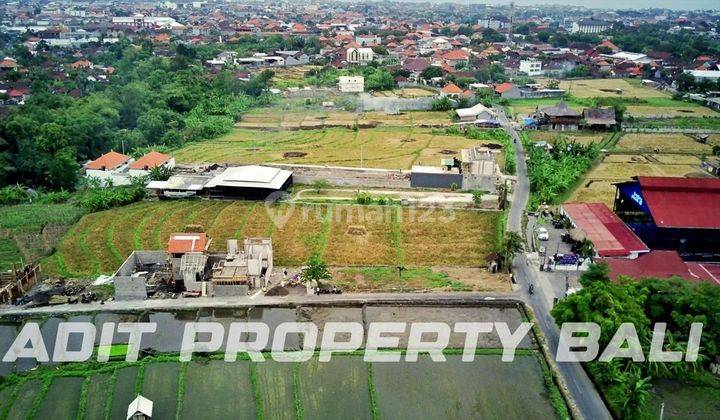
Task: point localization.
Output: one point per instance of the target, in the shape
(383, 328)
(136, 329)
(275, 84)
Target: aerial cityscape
(359, 209)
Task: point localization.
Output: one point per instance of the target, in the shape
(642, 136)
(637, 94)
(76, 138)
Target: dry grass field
(578, 137)
(387, 147)
(680, 109)
(344, 235)
(590, 88)
(406, 93)
(661, 143)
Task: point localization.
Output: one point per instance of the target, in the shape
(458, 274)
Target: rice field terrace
(640, 154)
(344, 235)
(387, 147)
(213, 388)
(29, 231)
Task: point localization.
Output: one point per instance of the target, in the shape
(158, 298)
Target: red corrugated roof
(610, 236)
(682, 202)
(662, 265)
(150, 160)
(108, 161)
(180, 243)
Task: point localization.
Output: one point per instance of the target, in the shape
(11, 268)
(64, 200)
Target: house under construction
(187, 265)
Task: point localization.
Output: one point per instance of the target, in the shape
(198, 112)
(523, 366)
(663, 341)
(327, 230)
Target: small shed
(140, 408)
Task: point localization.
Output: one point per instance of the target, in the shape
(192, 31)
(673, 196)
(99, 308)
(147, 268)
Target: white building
(531, 67)
(351, 84)
(361, 56)
(712, 75)
(475, 113)
(109, 169)
(590, 26)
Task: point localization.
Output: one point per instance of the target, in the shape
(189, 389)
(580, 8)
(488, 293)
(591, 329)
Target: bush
(363, 198)
(19, 194)
(96, 199)
(442, 104)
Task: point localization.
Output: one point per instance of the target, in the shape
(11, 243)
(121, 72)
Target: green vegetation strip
(297, 397)
(257, 392)
(373, 392)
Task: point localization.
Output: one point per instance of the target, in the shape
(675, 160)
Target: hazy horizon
(607, 4)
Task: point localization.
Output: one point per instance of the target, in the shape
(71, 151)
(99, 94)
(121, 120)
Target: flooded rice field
(347, 386)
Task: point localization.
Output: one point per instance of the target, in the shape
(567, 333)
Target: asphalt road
(521, 192)
(582, 390)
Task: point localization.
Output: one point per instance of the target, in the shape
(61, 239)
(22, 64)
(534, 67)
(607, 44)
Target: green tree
(431, 72)
(315, 270)
(319, 185)
(513, 245)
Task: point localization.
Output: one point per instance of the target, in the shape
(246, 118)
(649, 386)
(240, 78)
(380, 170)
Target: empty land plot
(387, 147)
(669, 109)
(485, 388)
(298, 232)
(361, 235)
(579, 137)
(351, 235)
(661, 143)
(218, 389)
(438, 237)
(61, 400)
(590, 88)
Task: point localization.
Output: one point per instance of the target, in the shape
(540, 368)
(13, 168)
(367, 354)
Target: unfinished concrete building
(244, 269)
(186, 265)
(480, 170)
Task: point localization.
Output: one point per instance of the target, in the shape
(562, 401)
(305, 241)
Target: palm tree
(637, 393)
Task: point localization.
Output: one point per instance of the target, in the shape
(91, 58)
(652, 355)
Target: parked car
(543, 234)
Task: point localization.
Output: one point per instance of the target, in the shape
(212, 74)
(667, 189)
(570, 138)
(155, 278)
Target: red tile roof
(610, 236)
(662, 265)
(180, 243)
(150, 161)
(502, 88)
(682, 202)
(452, 88)
(456, 55)
(108, 161)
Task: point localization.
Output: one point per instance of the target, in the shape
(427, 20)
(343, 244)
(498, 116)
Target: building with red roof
(151, 160)
(507, 90)
(681, 214)
(662, 265)
(107, 162)
(182, 243)
(609, 235)
(451, 90)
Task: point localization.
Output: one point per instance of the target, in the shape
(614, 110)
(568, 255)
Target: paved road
(244, 301)
(581, 389)
(521, 192)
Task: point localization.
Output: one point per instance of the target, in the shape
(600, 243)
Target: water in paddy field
(171, 325)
